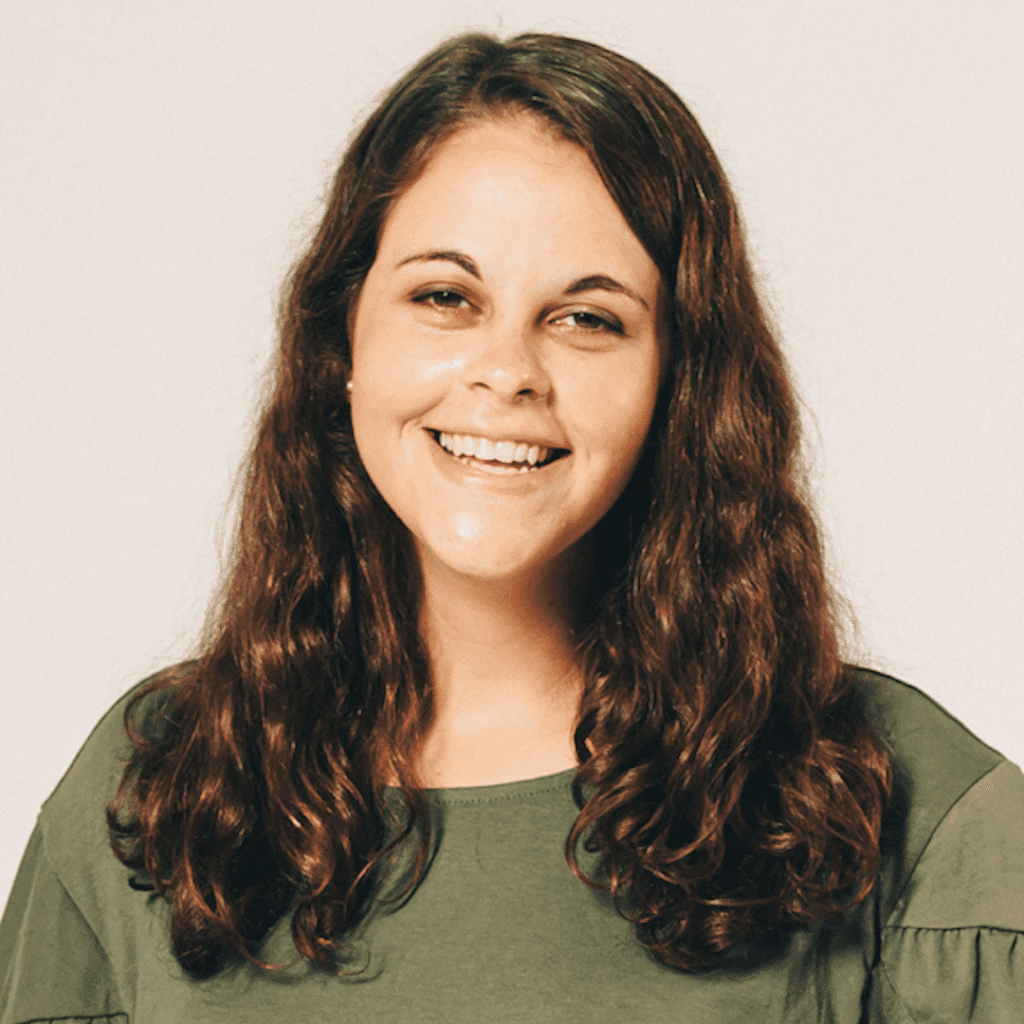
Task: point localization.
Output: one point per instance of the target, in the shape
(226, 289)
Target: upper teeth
(499, 451)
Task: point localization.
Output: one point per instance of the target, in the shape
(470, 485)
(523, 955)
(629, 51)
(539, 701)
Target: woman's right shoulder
(92, 778)
(70, 931)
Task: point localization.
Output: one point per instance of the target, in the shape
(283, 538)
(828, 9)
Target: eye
(591, 323)
(441, 298)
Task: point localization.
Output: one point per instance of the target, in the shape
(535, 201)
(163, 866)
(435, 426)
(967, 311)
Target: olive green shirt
(500, 930)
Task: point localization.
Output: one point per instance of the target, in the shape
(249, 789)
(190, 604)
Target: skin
(487, 341)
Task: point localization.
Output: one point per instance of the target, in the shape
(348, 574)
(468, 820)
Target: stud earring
(348, 386)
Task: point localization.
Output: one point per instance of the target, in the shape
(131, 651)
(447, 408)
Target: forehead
(505, 132)
(511, 182)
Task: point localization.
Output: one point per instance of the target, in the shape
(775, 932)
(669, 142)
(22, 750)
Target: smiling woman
(524, 699)
(524, 328)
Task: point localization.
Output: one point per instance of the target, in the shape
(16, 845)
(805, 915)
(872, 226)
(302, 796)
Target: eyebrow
(591, 282)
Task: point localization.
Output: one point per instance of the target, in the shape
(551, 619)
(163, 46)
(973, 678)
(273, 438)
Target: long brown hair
(733, 790)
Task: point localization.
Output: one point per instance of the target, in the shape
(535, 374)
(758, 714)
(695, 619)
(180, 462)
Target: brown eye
(441, 299)
(591, 322)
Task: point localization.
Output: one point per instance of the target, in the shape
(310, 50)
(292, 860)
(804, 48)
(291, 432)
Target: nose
(506, 362)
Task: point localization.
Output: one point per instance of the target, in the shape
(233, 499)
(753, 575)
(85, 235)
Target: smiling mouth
(497, 456)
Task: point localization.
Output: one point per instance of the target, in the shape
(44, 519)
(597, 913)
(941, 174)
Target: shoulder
(74, 929)
(951, 891)
(958, 804)
(915, 727)
(936, 760)
(72, 819)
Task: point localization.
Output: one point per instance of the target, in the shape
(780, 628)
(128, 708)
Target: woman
(523, 700)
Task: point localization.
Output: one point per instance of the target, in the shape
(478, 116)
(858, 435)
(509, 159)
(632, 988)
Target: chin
(490, 559)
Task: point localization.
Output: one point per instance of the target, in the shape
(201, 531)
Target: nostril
(528, 394)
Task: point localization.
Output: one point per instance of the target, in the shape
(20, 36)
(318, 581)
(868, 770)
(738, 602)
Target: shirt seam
(887, 978)
(99, 942)
(953, 928)
(949, 810)
(88, 1017)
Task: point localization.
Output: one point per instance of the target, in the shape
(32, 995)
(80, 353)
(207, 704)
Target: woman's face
(507, 350)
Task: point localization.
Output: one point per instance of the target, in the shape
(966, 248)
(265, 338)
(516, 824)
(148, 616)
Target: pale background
(163, 163)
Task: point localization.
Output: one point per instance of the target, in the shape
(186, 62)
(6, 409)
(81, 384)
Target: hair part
(733, 789)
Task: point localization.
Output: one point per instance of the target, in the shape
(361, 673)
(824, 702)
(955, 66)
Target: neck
(502, 655)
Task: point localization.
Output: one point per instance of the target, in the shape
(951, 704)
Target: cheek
(391, 384)
(397, 369)
(613, 409)
(626, 427)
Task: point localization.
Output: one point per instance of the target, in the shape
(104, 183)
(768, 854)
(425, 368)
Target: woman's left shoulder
(936, 760)
(920, 732)
(952, 900)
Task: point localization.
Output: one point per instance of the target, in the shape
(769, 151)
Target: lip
(452, 468)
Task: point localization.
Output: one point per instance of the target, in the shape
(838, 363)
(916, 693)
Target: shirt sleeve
(52, 966)
(953, 946)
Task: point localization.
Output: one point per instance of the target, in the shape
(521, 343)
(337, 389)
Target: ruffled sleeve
(52, 967)
(953, 947)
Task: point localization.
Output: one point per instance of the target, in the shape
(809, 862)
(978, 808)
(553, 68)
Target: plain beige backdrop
(161, 165)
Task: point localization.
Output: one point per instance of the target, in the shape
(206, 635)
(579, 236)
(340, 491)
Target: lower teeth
(471, 460)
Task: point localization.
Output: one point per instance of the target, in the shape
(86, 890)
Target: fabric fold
(953, 974)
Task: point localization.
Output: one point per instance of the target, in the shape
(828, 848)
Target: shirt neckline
(499, 790)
